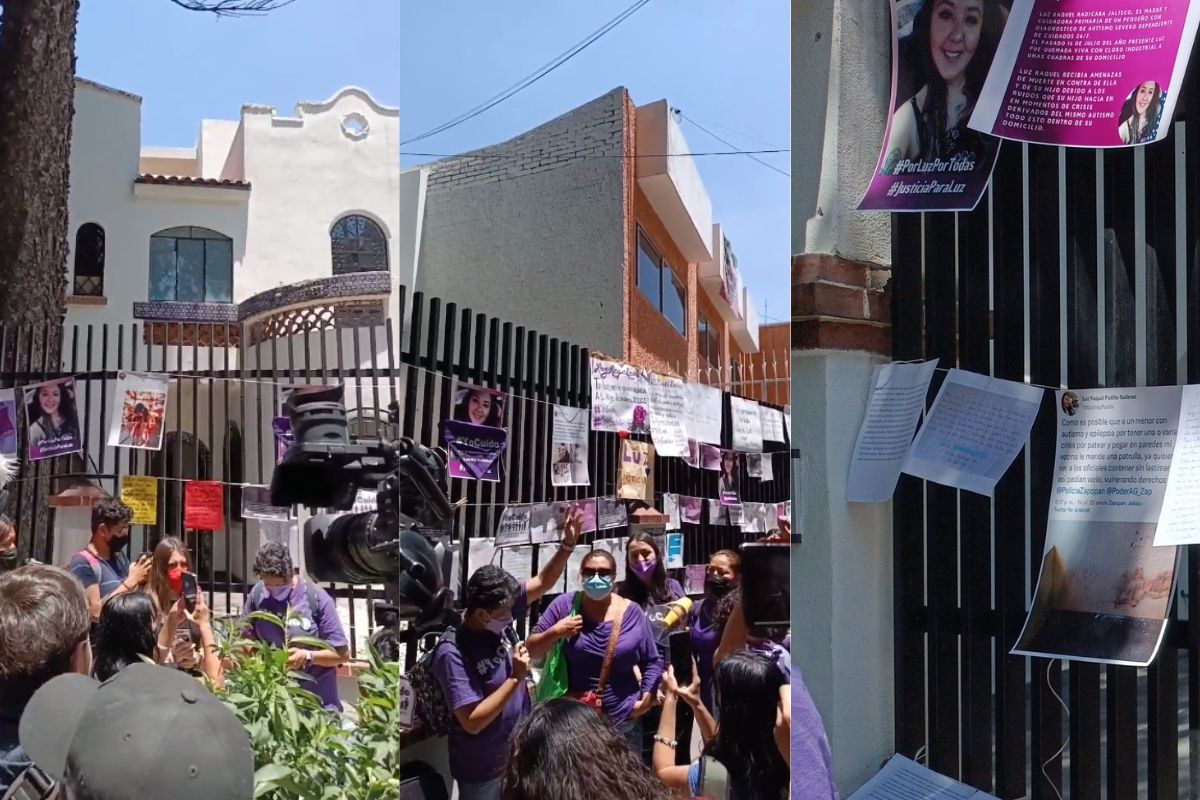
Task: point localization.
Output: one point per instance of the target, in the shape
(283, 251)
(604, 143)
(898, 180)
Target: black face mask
(717, 586)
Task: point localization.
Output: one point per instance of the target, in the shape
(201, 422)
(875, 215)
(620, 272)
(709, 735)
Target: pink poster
(1088, 73)
(942, 52)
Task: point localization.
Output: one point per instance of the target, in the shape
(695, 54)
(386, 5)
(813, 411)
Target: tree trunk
(37, 103)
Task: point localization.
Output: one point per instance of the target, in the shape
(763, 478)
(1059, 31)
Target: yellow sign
(140, 492)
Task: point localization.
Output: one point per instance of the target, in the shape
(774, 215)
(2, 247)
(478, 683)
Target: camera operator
(280, 589)
(44, 625)
(483, 682)
(101, 567)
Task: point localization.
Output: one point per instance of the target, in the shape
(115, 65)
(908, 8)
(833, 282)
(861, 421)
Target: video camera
(324, 469)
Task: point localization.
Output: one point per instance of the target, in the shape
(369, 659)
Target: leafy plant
(301, 750)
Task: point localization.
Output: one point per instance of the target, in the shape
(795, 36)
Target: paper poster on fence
(140, 417)
(767, 468)
(710, 458)
(729, 484)
(256, 504)
(772, 424)
(975, 428)
(634, 471)
(572, 579)
(1104, 590)
(204, 506)
(480, 406)
(1089, 73)
(547, 520)
(518, 561)
(610, 513)
(668, 408)
(8, 423)
(894, 405)
(670, 503)
(284, 437)
(569, 466)
(747, 425)
(513, 528)
(754, 465)
(930, 160)
(674, 551)
(691, 509)
(706, 406)
(140, 493)
(1181, 498)
(474, 450)
(903, 778)
(53, 419)
(620, 397)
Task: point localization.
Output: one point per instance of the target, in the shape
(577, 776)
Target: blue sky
(725, 64)
(188, 66)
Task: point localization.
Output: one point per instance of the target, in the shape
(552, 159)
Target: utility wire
(534, 76)
(585, 154)
(735, 131)
(748, 153)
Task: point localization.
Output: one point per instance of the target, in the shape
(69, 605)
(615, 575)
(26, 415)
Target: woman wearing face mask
(721, 578)
(646, 583)
(607, 646)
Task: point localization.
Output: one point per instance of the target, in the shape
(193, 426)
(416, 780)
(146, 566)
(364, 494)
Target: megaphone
(667, 618)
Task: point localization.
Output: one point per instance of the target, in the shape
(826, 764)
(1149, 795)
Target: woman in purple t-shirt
(624, 698)
(646, 583)
(721, 577)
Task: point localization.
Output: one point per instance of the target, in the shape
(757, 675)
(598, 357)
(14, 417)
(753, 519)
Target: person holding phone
(612, 658)
(169, 564)
(482, 669)
(102, 567)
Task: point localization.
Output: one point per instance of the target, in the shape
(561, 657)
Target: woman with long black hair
(646, 583)
(748, 691)
(564, 749)
(720, 579)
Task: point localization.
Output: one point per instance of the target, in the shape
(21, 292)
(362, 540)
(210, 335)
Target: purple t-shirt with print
(585, 657)
(468, 672)
(321, 623)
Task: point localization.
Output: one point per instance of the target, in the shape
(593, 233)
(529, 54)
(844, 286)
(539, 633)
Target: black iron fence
(445, 344)
(1078, 268)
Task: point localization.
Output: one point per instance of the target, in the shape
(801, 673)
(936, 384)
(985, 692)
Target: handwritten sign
(668, 407)
(633, 471)
(705, 405)
(620, 397)
(140, 493)
(772, 424)
(747, 425)
(514, 526)
(204, 503)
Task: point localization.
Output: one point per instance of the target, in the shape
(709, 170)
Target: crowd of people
(615, 732)
(110, 645)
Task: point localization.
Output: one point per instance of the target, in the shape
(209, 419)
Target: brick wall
(838, 304)
(531, 230)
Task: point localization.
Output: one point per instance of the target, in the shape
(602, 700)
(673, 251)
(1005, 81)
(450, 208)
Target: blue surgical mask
(598, 587)
(279, 592)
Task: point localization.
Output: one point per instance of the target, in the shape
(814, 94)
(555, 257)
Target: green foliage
(302, 751)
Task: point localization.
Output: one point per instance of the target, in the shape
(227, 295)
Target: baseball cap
(146, 732)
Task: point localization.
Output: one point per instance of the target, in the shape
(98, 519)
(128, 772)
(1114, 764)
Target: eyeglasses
(595, 571)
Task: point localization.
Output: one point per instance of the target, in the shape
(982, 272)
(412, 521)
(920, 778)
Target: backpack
(93, 562)
(431, 710)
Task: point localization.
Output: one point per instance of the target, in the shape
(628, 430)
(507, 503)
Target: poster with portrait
(8, 422)
(479, 406)
(1089, 73)
(474, 450)
(729, 484)
(942, 53)
(53, 420)
(620, 397)
(141, 411)
(569, 447)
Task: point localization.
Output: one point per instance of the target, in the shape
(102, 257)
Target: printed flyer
(140, 418)
(475, 450)
(1104, 590)
(569, 466)
(479, 406)
(1088, 73)
(53, 419)
(620, 397)
(8, 422)
(931, 160)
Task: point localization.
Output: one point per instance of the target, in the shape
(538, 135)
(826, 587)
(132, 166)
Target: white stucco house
(269, 246)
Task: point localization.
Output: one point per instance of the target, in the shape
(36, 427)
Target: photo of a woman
(729, 482)
(1141, 113)
(54, 423)
(953, 43)
(479, 406)
(1070, 403)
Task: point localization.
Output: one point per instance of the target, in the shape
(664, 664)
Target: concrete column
(842, 574)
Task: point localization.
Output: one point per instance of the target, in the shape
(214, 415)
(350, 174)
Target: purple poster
(53, 420)
(475, 450)
(942, 51)
(284, 437)
(1088, 73)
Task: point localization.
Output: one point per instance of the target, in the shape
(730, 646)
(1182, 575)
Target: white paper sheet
(754, 465)
(768, 468)
(975, 428)
(571, 578)
(480, 552)
(754, 518)
(693, 578)
(610, 513)
(772, 424)
(546, 522)
(668, 407)
(671, 510)
(620, 397)
(787, 421)
(894, 405)
(514, 526)
(1181, 500)
(518, 561)
(747, 425)
(705, 409)
(569, 447)
(904, 779)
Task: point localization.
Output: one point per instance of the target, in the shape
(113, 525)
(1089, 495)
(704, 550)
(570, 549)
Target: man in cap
(147, 732)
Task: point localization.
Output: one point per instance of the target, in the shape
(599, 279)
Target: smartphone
(766, 584)
(680, 645)
(144, 554)
(190, 590)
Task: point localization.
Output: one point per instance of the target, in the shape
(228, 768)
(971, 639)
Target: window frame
(337, 267)
(176, 235)
(94, 277)
(707, 341)
(646, 245)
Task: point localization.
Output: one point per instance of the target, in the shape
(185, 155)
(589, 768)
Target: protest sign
(894, 407)
(204, 504)
(140, 493)
(620, 397)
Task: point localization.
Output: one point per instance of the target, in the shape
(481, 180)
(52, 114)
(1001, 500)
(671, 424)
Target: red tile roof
(175, 180)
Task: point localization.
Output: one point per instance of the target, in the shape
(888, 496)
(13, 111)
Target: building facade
(594, 228)
(273, 245)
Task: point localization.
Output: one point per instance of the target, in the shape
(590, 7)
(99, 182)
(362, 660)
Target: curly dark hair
(490, 587)
(746, 687)
(111, 513)
(274, 560)
(124, 633)
(564, 749)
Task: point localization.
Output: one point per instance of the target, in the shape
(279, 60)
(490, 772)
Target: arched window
(89, 260)
(358, 245)
(192, 265)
